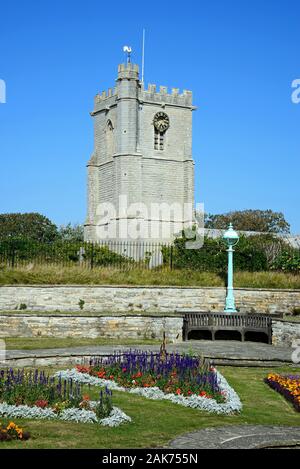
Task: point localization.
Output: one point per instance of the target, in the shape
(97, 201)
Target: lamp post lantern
(232, 238)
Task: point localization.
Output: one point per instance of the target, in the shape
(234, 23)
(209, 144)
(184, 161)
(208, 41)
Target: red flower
(189, 393)
(178, 391)
(202, 393)
(86, 397)
(124, 370)
(83, 369)
(41, 403)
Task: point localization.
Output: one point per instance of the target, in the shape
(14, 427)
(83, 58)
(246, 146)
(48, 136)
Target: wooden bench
(215, 322)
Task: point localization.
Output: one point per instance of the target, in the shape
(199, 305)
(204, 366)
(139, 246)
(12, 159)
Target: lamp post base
(230, 310)
(229, 302)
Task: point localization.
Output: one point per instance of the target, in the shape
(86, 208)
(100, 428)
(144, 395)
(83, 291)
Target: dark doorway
(252, 336)
(228, 335)
(200, 335)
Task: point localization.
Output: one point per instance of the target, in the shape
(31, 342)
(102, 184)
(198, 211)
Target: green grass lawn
(290, 318)
(31, 343)
(56, 275)
(155, 423)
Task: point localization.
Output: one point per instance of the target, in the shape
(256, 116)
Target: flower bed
(12, 432)
(36, 395)
(287, 385)
(184, 380)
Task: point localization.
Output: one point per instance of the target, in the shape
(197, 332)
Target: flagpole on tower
(143, 56)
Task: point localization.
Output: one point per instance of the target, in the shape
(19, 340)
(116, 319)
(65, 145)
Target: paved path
(219, 352)
(239, 437)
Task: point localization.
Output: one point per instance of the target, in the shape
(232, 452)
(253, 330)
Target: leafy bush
(18, 250)
(288, 261)
(264, 221)
(71, 233)
(31, 225)
(213, 256)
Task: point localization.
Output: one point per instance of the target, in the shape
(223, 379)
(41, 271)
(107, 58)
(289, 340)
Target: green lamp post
(232, 238)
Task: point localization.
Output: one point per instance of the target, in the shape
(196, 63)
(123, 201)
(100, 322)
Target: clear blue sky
(238, 56)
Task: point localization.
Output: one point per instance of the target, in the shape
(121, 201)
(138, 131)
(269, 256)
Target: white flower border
(116, 417)
(232, 401)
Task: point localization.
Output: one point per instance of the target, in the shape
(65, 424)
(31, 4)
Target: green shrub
(18, 250)
(288, 261)
(296, 311)
(213, 256)
(33, 226)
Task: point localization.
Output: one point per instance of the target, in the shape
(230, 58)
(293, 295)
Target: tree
(71, 233)
(263, 221)
(33, 226)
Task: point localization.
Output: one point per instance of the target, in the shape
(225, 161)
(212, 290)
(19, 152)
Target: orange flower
(83, 369)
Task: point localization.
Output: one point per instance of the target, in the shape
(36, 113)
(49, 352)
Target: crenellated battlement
(128, 71)
(128, 67)
(161, 95)
(153, 94)
(105, 95)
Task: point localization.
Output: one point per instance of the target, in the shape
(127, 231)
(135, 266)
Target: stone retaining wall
(117, 327)
(151, 299)
(122, 327)
(285, 333)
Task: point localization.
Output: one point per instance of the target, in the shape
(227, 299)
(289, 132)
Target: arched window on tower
(159, 140)
(109, 131)
(161, 125)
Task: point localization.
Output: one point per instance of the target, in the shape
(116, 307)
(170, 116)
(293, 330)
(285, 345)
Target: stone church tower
(141, 173)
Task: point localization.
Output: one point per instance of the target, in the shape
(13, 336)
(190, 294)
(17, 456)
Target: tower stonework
(141, 170)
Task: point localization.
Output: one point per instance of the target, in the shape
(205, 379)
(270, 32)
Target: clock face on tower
(161, 121)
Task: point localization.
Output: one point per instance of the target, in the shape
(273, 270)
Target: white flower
(72, 414)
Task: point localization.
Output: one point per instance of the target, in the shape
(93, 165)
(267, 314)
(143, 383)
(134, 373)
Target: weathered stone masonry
(285, 333)
(171, 301)
(124, 327)
(117, 327)
(112, 299)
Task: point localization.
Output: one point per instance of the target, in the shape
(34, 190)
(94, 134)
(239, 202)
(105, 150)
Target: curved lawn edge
(232, 403)
(116, 417)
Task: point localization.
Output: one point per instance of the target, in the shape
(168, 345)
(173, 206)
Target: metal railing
(111, 254)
